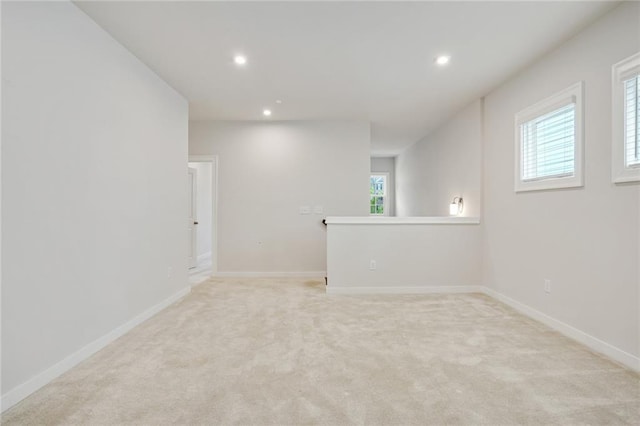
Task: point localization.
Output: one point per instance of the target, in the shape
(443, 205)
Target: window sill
(626, 175)
(549, 184)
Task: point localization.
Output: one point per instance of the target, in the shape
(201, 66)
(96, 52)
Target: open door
(192, 220)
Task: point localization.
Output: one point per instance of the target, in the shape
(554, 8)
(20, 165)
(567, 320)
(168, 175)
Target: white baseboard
(591, 342)
(20, 392)
(204, 256)
(332, 289)
(301, 274)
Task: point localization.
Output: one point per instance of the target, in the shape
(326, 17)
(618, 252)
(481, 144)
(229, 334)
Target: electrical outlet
(547, 286)
(305, 210)
(318, 210)
(372, 265)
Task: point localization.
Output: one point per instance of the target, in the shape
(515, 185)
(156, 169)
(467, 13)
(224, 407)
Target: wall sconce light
(455, 208)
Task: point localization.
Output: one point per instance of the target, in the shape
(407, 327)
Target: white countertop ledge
(387, 220)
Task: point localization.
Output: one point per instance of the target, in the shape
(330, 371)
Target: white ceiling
(340, 60)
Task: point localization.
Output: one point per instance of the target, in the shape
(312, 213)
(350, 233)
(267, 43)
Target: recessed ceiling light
(240, 60)
(443, 60)
(266, 112)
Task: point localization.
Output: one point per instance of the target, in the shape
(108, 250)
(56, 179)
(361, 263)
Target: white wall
(266, 171)
(203, 208)
(584, 240)
(94, 153)
(409, 257)
(443, 165)
(387, 165)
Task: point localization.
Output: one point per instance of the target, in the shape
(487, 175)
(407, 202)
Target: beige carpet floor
(280, 351)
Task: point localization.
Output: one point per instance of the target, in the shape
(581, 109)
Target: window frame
(620, 72)
(385, 203)
(572, 94)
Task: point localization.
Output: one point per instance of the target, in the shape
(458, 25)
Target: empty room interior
(332, 213)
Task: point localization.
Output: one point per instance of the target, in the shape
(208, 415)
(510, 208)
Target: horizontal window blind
(548, 145)
(632, 121)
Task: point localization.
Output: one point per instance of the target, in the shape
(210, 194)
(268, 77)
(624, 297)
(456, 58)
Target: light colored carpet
(280, 351)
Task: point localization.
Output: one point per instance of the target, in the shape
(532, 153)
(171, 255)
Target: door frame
(213, 160)
(193, 218)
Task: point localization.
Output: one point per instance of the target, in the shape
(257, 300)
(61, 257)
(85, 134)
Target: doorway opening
(201, 223)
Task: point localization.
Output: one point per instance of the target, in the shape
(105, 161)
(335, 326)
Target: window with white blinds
(632, 122)
(549, 142)
(625, 128)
